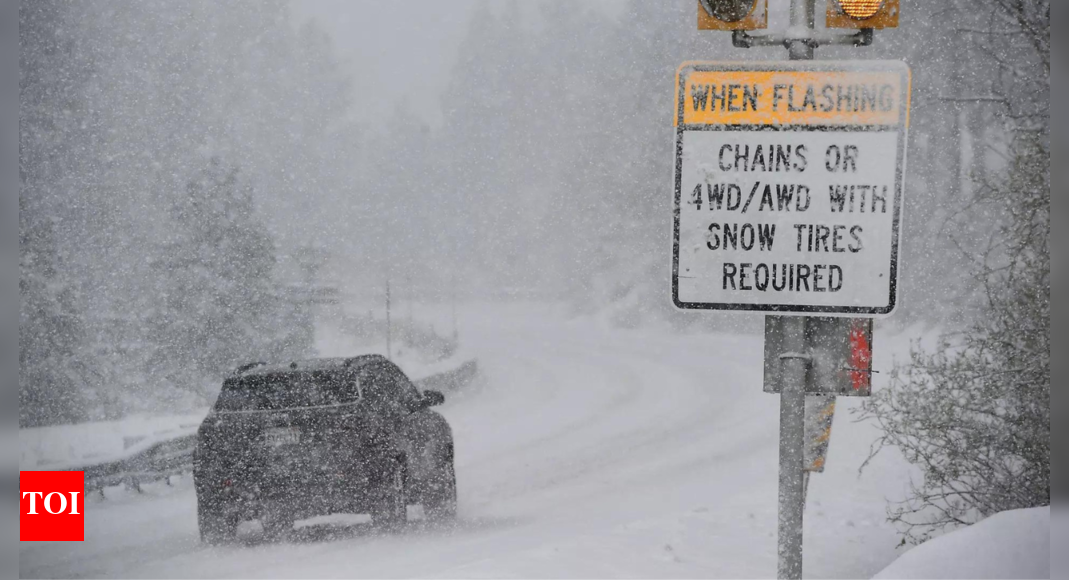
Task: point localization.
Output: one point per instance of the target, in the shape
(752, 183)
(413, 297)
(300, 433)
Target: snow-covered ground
(585, 451)
(1011, 544)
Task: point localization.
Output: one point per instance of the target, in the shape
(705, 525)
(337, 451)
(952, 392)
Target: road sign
(788, 186)
(839, 352)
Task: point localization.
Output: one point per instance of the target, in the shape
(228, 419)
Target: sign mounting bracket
(812, 38)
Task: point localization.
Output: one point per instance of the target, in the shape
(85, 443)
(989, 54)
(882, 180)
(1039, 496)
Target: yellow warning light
(732, 14)
(860, 8)
(858, 14)
(729, 10)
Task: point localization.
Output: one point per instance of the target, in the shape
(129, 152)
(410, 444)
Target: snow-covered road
(584, 451)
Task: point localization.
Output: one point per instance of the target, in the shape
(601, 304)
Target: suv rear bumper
(301, 499)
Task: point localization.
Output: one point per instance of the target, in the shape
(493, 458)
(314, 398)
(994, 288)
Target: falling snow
(487, 185)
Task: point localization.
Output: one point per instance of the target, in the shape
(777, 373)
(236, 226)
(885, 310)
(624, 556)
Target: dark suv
(321, 436)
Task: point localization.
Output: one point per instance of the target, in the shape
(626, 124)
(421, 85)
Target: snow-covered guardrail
(158, 460)
(450, 381)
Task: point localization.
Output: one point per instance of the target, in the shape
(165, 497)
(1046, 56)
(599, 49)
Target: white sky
(383, 40)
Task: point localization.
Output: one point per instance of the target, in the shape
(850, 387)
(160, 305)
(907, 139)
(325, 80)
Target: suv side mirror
(432, 398)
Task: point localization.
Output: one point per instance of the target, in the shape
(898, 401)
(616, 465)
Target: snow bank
(72, 446)
(1011, 544)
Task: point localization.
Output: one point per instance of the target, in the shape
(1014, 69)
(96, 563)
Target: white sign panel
(788, 186)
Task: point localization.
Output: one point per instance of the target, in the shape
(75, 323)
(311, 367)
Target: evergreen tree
(217, 299)
(118, 105)
(52, 370)
(51, 375)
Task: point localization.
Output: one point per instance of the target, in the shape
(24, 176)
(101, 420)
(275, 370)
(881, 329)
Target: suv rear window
(272, 392)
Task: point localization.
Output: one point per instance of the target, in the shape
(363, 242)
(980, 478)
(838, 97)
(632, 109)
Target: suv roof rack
(311, 364)
(248, 366)
(362, 359)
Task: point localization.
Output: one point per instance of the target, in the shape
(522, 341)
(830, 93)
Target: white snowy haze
(209, 183)
(480, 149)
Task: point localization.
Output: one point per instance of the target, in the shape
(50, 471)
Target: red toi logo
(52, 503)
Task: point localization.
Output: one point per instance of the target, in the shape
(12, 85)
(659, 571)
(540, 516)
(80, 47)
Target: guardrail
(449, 381)
(160, 460)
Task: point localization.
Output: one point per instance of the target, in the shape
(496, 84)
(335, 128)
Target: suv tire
(440, 502)
(277, 521)
(389, 509)
(215, 528)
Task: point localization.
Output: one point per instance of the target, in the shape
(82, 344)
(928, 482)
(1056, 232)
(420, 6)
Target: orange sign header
(717, 94)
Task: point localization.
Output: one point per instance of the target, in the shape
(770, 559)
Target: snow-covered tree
(120, 106)
(52, 366)
(216, 303)
(51, 373)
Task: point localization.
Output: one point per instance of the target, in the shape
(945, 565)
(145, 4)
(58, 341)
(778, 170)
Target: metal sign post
(795, 365)
(788, 198)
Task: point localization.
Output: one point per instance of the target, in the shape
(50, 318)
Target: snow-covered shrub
(973, 413)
